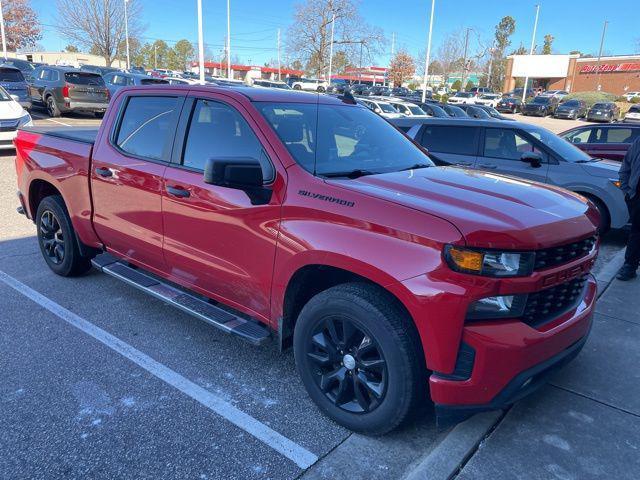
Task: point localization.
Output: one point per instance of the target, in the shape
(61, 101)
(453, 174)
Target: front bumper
(534, 113)
(561, 114)
(511, 359)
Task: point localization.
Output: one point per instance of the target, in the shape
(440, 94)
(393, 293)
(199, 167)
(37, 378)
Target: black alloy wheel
(52, 237)
(348, 365)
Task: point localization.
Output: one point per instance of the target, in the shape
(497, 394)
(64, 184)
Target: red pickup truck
(310, 219)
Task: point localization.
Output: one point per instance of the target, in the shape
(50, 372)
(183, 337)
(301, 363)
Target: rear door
(614, 142)
(86, 88)
(502, 150)
(221, 241)
(128, 165)
(455, 145)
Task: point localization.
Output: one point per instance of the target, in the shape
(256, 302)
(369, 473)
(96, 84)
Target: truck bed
(78, 134)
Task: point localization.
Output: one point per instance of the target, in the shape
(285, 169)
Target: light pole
(426, 61)
(200, 44)
(126, 34)
(604, 30)
(279, 63)
(229, 76)
(333, 21)
(4, 39)
(464, 63)
(533, 44)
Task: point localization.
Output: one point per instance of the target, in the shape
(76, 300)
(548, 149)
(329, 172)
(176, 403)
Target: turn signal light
(466, 259)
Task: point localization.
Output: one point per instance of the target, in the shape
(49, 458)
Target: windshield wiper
(350, 174)
(415, 167)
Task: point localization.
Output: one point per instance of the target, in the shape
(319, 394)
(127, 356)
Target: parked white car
(489, 99)
(630, 95)
(181, 81)
(384, 109)
(310, 85)
(408, 109)
(462, 97)
(12, 116)
(633, 115)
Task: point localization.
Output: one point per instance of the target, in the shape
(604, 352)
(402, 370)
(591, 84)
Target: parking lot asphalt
(101, 381)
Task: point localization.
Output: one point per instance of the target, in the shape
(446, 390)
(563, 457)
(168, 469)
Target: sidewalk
(586, 423)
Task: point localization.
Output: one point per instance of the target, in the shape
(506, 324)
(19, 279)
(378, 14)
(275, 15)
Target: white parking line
(58, 122)
(296, 453)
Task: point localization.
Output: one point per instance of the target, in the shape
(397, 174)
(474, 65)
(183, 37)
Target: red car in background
(603, 141)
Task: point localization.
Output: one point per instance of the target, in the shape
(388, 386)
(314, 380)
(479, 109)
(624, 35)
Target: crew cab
(311, 220)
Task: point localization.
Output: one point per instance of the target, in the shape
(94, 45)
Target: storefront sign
(611, 67)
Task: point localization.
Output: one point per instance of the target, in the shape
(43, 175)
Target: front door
(127, 173)
(502, 152)
(220, 241)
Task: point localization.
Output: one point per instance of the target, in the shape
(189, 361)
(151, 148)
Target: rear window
(571, 103)
(84, 78)
(634, 109)
(153, 81)
(602, 106)
(11, 75)
(147, 125)
(457, 140)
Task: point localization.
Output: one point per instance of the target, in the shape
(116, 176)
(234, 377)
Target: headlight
(489, 263)
(25, 120)
(503, 306)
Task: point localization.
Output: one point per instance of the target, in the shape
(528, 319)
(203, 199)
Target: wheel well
(308, 282)
(39, 190)
(600, 204)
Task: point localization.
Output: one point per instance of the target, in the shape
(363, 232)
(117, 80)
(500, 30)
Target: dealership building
(617, 74)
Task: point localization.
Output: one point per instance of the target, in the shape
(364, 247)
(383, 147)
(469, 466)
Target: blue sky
(575, 24)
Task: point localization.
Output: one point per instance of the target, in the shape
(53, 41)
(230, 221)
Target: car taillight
(65, 90)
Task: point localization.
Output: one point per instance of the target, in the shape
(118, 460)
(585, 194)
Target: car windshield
(455, 111)
(387, 108)
(332, 139)
(415, 110)
(4, 96)
(11, 75)
(571, 103)
(602, 106)
(464, 94)
(561, 147)
(493, 112)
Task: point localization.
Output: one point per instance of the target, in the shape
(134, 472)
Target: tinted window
(542, 100)
(219, 131)
(443, 139)
(82, 78)
(11, 75)
(153, 81)
(147, 126)
(116, 79)
(506, 144)
(602, 106)
(619, 135)
(572, 103)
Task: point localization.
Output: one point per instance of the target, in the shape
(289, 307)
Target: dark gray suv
(65, 89)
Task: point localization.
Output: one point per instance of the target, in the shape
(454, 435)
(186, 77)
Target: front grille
(550, 303)
(8, 125)
(551, 257)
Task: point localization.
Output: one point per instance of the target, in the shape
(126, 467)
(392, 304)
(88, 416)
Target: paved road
(100, 381)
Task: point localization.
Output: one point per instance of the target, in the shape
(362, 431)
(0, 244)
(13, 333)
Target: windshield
(463, 94)
(11, 75)
(415, 110)
(493, 112)
(454, 111)
(571, 103)
(387, 108)
(330, 139)
(561, 147)
(602, 106)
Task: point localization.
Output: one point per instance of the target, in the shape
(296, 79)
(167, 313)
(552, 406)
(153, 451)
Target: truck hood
(491, 211)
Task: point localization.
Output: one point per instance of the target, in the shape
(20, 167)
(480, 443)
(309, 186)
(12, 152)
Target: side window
(147, 126)
(217, 130)
(581, 136)
(619, 135)
(506, 144)
(457, 140)
(54, 75)
(45, 74)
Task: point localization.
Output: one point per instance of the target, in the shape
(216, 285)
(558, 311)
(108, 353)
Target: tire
(320, 90)
(52, 107)
(57, 239)
(297, 87)
(98, 114)
(388, 372)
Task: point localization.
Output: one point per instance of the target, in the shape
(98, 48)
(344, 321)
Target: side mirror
(234, 172)
(576, 140)
(533, 158)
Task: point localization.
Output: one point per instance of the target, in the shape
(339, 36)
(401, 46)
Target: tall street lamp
(200, 44)
(533, 44)
(426, 61)
(126, 34)
(604, 30)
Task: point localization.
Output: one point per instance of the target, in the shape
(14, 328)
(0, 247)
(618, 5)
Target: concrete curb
(460, 444)
(444, 461)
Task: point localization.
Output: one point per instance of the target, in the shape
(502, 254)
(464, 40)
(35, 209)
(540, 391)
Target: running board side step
(219, 318)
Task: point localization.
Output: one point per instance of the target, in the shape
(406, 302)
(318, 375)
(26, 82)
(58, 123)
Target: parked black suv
(540, 106)
(572, 109)
(65, 89)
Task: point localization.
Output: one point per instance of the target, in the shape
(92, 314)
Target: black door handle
(178, 192)
(104, 172)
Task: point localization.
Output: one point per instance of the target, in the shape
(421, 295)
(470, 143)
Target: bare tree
(98, 25)
(309, 36)
(450, 53)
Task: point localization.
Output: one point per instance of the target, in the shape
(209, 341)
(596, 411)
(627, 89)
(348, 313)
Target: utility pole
(393, 47)
(4, 39)
(279, 65)
(333, 21)
(598, 86)
(229, 75)
(126, 34)
(155, 52)
(464, 63)
(428, 57)
(200, 44)
(533, 44)
(360, 73)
